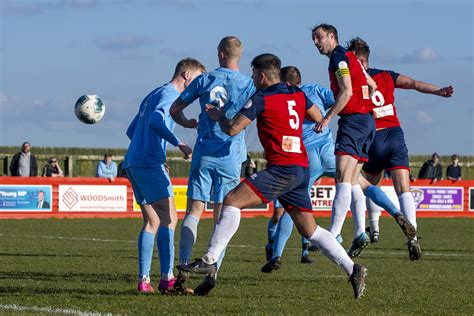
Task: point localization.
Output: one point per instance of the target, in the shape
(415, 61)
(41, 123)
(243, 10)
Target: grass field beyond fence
(79, 265)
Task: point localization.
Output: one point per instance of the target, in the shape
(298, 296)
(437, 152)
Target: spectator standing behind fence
(107, 168)
(431, 169)
(248, 167)
(52, 169)
(453, 172)
(24, 163)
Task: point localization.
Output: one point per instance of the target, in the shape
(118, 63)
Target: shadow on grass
(68, 277)
(42, 291)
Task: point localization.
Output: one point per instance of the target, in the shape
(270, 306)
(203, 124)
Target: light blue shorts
(211, 180)
(150, 184)
(321, 162)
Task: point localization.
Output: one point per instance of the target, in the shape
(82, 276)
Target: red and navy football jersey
(345, 63)
(383, 100)
(280, 111)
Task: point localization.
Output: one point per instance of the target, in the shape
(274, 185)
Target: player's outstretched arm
(131, 127)
(314, 114)
(342, 98)
(229, 126)
(372, 86)
(405, 82)
(177, 113)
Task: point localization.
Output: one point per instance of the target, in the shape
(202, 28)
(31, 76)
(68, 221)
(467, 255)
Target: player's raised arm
(344, 95)
(405, 82)
(177, 113)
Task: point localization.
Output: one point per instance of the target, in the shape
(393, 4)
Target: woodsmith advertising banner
(92, 198)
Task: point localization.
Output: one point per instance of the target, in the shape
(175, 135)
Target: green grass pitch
(89, 265)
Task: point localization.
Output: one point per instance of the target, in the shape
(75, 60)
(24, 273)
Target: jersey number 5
(294, 118)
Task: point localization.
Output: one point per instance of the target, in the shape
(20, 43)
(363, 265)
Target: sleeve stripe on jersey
(342, 72)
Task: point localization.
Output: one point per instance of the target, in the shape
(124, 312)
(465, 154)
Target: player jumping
(217, 157)
(388, 150)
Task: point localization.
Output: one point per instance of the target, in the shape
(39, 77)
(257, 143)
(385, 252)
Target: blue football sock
(165, 242)
(146, 241)
(381, 199)
(219, 261)
(283, 233)
(188, 237)
(271, 231)
(304, 246)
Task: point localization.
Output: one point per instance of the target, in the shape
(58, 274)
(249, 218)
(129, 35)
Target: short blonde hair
(188, 64)
(230, 46)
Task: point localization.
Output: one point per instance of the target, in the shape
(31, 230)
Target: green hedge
(83, 161)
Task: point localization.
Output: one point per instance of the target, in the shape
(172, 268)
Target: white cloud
(424, 118)
(124, 42)
(423, 56)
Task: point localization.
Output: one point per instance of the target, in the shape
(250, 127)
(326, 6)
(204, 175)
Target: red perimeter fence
(96, 197)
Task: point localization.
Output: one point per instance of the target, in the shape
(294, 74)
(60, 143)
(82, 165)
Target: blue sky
(52, 52)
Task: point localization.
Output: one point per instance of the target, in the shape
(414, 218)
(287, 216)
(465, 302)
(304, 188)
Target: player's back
(343, 63)
(323, 98)
(383, 100)
(146, 147)
(227, 89)
(280, 113)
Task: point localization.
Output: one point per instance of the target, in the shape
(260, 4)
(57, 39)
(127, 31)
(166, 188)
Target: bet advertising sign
(322, 197)
(92, 198)
(25, 198)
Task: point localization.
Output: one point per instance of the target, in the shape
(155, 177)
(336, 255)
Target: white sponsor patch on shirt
(291, 144)
(382, 111)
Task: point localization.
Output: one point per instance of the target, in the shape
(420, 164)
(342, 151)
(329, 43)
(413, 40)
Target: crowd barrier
(96, 197)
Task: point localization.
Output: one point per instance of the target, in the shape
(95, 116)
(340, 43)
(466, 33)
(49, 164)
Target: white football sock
(329, 246)
(340, 206)
(225, 228)
(374, 214)
(407, 206)
(358, 209)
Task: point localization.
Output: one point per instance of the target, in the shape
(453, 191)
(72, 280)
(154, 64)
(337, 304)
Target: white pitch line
(50, 310)
(394, 253)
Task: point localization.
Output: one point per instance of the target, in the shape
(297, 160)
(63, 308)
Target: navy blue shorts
(287, 183)
(388, 151)
(354, 135)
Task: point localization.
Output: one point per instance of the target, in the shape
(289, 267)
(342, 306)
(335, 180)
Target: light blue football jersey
(147, 149)
(227, 89)
(323, 98)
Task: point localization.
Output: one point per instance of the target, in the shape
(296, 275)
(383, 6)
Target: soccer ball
(89, 109)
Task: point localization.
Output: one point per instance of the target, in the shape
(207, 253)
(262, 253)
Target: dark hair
(290, 74)
(454, 157)
(359, 47)
(25, 144)
(107, 155)
(328, 28)
(188, 64)
(267, 63)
